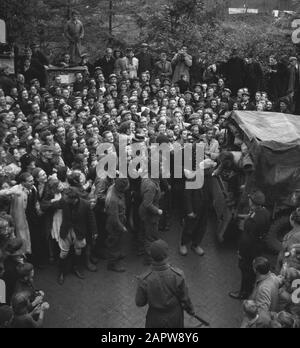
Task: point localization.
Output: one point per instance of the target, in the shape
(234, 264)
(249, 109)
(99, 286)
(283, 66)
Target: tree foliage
(164, 24)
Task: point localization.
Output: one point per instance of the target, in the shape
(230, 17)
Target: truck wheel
(278, 230)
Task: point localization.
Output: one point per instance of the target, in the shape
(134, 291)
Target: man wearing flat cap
(164, 290)
(256, 227)
(246, 105)
(294, 83)
(163, 68)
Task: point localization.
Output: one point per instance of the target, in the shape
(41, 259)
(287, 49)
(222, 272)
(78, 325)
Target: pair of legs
(65, 247)
(114, 249)
(247, 279)
(193, 232)
(150, 235)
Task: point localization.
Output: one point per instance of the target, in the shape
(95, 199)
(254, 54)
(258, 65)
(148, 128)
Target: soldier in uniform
(150, 213)
(164, 290)
(115, 208)
(256, 227)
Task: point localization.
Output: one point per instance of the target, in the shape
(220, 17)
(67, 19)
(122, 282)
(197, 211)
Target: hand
(125, 230)
(160, 212)
(192, 215)
(38, 301)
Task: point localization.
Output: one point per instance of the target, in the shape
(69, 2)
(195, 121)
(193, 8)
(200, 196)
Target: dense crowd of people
(56, 207)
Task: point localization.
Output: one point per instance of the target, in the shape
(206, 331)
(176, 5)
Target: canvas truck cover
(274, 143)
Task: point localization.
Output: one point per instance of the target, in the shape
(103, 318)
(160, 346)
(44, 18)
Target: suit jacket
(79, 218)
(146, 62)
(108, 66)
(163, 70)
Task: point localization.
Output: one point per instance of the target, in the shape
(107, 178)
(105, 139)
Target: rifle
(202, 321)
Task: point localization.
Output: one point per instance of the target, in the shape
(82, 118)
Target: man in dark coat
(78, 229)
(38, 55)
(115, 208)
(150, 213)
(6, 82)
(164, 290)
(234, 72)
(277, 79)
(294, 83)
(246, 104)
(198, 68)
(253, 76)
(256, 228)
(146, 61)
(107, 63)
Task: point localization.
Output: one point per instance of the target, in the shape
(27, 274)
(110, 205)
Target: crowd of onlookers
(55, 206)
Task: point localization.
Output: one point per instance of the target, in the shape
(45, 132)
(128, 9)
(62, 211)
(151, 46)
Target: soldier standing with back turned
(164, 290)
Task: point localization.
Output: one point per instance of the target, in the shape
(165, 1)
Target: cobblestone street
(106, 300)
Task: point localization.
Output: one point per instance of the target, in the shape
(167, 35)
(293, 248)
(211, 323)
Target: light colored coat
(18, 212)
(181, 67)
(266, 292)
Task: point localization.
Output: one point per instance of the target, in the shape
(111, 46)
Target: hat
(125, 112)
(113, 76)
(84, 55)
(246, 93)
(144, 45)
(258, 198)
(292, 59)
(296, 216)
(188, 92)
(139, 137)
(162, 139)
(159, 250)
(194, 116)
(35, 172)
(121, 184)
(34, 45)
(167, 82)
(25, 269)
(14, 246)
(227, 90)
(98, 68)
(33, 81)
(284, 100)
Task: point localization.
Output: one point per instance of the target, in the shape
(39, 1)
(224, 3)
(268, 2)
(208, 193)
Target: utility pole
(110, 29)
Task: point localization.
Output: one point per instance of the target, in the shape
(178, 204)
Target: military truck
(271, 143)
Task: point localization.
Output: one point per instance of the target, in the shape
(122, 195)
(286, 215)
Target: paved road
(106, 300)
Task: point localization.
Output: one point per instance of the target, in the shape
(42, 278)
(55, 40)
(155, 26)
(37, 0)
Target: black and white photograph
(150, 166)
